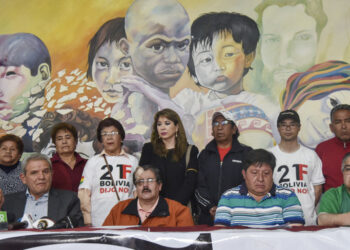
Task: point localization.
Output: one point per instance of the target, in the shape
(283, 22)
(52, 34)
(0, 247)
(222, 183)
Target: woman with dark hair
(11, 149)
(168, 151)
(108, 176)
(67, 165)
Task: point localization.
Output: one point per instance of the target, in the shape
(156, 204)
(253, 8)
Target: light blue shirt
(36, 208)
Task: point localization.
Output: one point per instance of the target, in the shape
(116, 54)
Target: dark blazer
(62, 203)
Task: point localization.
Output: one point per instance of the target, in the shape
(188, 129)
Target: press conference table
(198, 237)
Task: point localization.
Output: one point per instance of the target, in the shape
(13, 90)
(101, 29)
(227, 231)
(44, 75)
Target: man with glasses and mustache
(297, 167)
(149, 209)
(220, 165)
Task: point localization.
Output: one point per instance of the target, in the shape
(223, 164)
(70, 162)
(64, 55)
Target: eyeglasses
(215, 124)
(292, 125)
(113, 133)
(143, 181)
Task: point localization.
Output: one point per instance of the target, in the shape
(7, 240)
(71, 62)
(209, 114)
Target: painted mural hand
(137, 84)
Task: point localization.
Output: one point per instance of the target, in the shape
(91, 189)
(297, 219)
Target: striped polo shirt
(278, 207)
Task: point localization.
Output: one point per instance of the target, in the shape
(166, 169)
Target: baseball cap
(227, 115)
(288, 114)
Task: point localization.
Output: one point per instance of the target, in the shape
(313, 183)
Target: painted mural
(81, 61)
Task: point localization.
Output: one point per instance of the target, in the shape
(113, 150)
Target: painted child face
(220, 67)
(162, 58)
(109, 66)
(13, 79)
(159, 34)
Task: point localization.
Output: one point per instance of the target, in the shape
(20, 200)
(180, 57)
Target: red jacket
(63, 176)
(331, 153)
(167, 213)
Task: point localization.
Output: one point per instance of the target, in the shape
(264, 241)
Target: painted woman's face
(109, 66)
(315, 125)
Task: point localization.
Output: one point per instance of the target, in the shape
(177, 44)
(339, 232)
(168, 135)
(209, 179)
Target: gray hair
(35, 157)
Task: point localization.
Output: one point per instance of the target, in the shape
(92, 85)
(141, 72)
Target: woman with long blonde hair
(170, 152)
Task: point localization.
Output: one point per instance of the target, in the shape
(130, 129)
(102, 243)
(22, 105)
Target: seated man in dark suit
(39, 200)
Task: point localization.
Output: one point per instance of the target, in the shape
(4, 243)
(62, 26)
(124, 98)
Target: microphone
(17, 225)
(27, 218)
(65, 222)
(43, 223)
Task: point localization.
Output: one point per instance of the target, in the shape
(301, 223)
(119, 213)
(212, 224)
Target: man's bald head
(154, 16)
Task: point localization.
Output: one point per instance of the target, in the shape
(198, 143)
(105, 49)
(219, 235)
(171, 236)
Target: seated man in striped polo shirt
(258, 202)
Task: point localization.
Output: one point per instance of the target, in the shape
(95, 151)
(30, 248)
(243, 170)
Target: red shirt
(223, 152)
(331, 153)
(63, 176)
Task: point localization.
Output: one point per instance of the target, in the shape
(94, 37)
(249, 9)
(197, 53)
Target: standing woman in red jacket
(170, 152)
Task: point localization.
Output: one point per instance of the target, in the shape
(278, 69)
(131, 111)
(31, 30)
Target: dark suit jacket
(61, 203)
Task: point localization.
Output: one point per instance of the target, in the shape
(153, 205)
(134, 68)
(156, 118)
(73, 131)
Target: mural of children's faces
(315, 125)
(162, 61)
(290, 46)
(220, 67)
(158, 44)
(109, 66)
(14, 81)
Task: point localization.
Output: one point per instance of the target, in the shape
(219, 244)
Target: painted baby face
(220, 67)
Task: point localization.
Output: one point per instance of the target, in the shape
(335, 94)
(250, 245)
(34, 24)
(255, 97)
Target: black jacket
(179, 182)
(215, 177)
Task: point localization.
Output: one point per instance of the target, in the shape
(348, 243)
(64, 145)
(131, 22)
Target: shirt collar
(122, 153)
(150, 210)
(244, 190)
(340, 142)
(43, 197)
(57, 158)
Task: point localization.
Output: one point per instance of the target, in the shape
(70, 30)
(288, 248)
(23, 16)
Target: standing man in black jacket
(220, 165)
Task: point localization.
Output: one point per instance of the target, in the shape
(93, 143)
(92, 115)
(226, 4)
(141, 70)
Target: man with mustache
(149, 209)
(332, 151)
